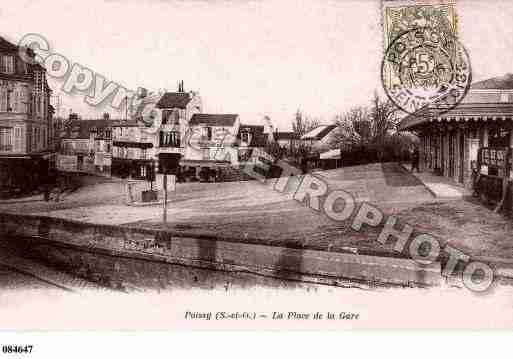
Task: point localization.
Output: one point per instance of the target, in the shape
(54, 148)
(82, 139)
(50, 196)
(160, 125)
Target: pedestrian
(415, 157)
(60, 188)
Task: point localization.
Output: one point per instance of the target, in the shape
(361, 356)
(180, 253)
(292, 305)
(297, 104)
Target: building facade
(470, 143)
(133, 151)
(26, 148)
(86, 146)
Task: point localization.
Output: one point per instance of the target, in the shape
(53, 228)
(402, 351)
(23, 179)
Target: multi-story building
(173, 122)
(159, 124)
(133, 150)
(86, 146)
(25, 120)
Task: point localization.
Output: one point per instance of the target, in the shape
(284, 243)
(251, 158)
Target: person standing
(415, 157)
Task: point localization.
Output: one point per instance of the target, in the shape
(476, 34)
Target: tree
(366, 125)
(302, 124)
(352, 128)
(383, 119)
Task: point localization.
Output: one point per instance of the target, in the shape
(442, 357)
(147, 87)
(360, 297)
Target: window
(8, 64)
(3, 99)
(209, 133)
(6, 139)
(245, 137)
(170, 117)
(169, 139)
(17, 138)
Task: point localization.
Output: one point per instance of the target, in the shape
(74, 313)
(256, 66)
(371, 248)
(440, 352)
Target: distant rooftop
(222, 120)
(319, 132)
(174, 100)
(495, 83)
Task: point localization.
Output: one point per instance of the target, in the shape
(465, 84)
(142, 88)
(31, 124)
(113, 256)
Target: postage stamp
(424, 62)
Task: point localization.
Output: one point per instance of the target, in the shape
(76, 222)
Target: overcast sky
(248, 57)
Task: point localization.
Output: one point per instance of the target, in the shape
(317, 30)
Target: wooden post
(164, 215)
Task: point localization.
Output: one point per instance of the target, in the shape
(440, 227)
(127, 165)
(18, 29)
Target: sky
(254, 58)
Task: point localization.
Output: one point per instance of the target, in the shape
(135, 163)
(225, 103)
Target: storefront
(23, 174)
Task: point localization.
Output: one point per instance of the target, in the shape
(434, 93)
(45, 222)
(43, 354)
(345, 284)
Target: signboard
(67, 163)
(495, 157)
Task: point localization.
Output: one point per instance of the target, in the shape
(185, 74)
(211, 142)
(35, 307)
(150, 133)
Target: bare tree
(383, 119)
(302, 124)
(366, 125)
(352, 127)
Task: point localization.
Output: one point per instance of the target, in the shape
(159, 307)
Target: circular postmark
(424, 66)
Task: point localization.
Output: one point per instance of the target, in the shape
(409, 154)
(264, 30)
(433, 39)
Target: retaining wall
(107, 254)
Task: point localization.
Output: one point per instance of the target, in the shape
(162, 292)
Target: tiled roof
(174, 100)
(222, 120)
(319, 132)
(496, 83)
(80, 129)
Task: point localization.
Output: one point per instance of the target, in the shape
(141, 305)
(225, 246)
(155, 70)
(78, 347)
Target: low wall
(103, 252)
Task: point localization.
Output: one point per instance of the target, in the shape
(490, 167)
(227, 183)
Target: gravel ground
(256, 213)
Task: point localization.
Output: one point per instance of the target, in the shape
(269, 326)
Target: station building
(470, 143)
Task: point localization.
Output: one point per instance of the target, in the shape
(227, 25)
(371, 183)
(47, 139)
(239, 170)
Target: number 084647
(16, 349)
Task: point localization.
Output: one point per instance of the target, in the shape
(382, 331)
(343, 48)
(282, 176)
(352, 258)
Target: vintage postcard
(255, 165)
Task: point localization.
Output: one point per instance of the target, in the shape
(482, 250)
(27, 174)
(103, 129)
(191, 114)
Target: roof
(496, 83)
(285, 135)
(222, 120)
(82, 128)
(7, 46)
(484, 98)
(331, 154)
(319, 132)
(258, 137)
(174, 100)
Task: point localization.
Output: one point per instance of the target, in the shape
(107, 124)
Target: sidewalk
(439, 186)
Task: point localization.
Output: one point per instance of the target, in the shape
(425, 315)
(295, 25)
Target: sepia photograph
(255, 165)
